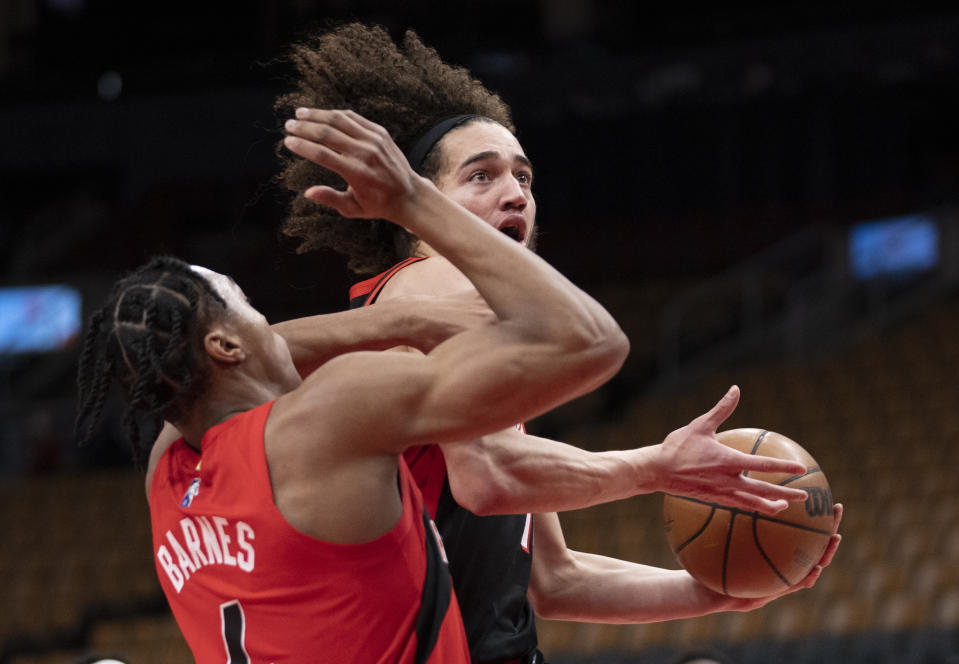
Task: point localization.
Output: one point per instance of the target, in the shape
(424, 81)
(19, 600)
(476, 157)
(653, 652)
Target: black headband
(418, 151)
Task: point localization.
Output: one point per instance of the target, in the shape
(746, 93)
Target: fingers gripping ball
(747, 554)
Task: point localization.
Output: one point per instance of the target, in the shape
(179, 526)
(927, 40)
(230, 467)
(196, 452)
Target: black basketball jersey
(489, 557)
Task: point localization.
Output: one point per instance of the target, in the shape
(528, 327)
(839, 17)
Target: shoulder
(434, 276)
(348, 398)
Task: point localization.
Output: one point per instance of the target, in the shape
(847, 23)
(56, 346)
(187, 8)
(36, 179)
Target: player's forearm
(510, 472)
(313, 340)
(606, 590)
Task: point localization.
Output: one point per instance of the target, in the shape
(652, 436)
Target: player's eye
(525, 177)
(478, 176)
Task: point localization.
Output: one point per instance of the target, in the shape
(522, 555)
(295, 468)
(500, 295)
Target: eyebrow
(489, 154)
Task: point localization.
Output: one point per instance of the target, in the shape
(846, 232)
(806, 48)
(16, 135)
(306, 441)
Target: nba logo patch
(191, 493)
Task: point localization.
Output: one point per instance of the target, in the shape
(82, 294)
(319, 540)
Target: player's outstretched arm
(571, 585)
(511, 472)
(552, 342)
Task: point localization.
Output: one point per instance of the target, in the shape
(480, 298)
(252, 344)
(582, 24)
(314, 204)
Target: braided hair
(148, 338)
(406, 88)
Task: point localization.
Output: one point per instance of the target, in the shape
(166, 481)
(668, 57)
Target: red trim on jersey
(371, 287)
(427, 465)
(361, 288)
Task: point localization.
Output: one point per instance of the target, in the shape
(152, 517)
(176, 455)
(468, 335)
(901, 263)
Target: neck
(220, 403)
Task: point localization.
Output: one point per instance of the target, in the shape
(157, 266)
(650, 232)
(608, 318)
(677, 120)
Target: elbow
(482, 498)
(602, 350)
(542, 605)
(481, 505)
(615, 347)
(549, 592)
(479, 481)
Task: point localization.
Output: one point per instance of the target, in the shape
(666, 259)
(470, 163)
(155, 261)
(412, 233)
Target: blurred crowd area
(877, 412)
(703, 174)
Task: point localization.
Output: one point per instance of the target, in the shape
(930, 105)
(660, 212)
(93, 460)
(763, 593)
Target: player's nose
(513, 195)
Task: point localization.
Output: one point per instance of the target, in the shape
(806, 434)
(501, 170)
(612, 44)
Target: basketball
(747, 554)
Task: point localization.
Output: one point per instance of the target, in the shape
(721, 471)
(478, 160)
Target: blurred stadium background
(763, 194)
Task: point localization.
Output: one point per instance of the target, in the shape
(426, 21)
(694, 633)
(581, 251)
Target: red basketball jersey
(245, 586)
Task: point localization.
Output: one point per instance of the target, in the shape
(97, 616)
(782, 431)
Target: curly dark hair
(148, 337)
(406, 88)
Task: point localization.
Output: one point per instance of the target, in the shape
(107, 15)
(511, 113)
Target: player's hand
(361, 152)
(741, 604)
(435, 318)
(692, 462)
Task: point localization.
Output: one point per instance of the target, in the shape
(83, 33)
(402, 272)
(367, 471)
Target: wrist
(646, 469)
(708, 601)
(411, 209)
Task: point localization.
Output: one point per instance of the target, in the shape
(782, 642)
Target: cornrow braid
(406, 88)
(88, 358)
(147, 337)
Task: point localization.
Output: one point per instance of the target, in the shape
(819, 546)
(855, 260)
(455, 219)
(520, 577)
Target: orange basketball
(747, 554)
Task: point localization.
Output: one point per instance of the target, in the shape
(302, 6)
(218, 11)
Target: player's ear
(222, 345)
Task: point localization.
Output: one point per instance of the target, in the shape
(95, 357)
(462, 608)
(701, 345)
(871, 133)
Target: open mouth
(514, 230)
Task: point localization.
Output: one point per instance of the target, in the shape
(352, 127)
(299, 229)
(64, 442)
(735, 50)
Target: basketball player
(460, 136)
(285, 525)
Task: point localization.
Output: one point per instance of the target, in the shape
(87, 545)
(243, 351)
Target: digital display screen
(37, 319)
(893, 247)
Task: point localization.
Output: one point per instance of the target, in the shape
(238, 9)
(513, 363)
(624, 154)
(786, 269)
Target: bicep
(477, 382)
(490, 378)
(364, 403)
(484, 380)
(386, 402)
